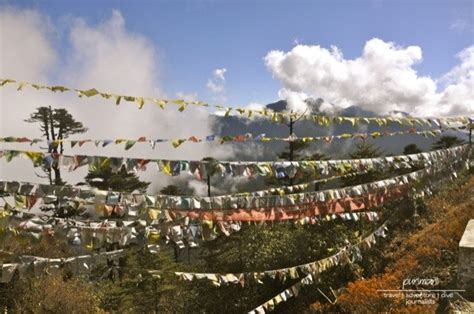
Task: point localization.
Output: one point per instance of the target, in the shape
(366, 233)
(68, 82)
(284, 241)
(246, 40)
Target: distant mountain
(354, 111)
(233, 125)
(398, 113)
(277, 106)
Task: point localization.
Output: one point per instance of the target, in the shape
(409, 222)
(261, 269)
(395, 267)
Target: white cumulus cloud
(382, 79)
(219, 73)
(216, 84)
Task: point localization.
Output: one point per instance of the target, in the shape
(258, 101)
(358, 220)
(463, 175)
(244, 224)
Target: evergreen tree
(411, 149)
(104, 178)
(171, 190)
(447, 141)
(365, 149)
(211, 170)
(362, 150)
(55, 124)
(294, 150)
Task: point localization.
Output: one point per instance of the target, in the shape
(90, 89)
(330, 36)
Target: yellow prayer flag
(140, 102)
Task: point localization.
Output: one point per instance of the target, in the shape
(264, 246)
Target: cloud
(108, 57)
(460, 25)
(295, 100)
(112, 58)
(28, 53)
(187, 96)
(255, 106)
(216, 84)
(215, 88)
(26, 44)
(382, 79)
(219, 74)
(458, 95)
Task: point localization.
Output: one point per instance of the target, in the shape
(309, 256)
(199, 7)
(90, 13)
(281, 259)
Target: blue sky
(195, 37)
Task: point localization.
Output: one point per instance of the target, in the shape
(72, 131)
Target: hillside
(426, 249)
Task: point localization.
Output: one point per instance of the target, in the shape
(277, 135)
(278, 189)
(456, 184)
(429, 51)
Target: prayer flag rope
(37, 266)
(32, 191)
(274, 116)
(200, 169)
(248, 137)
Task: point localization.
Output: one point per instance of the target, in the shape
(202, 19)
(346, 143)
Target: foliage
(49, 294)
(364, 149)
(171, 190)
(411, 149)
(123, 181)
(447, 141)
(57, 294)
(55, 124)
(136, 290)
(260, 248)
(294, 150)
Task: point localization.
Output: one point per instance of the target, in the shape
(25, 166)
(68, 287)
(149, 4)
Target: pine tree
(211, 170)
(55, 124)
(362, 150)
(366, 149)
(121, 181)
(171, 190)
(411, 149)
(447, 141)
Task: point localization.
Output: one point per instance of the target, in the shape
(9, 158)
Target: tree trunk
(60, 137)
(54, 149)
(291, 143)
(46, 132)
(51, 124)
(208, 185)
(57, 176)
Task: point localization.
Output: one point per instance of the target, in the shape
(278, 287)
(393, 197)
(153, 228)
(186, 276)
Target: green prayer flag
(89, 92)
(129, 144)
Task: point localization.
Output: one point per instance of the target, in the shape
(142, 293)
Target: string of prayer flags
(90, 235)
(78, 264)
(128, 144)
(244, 112)
(200, 169)
(37, 266)
(288, 293)
(33, 192)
